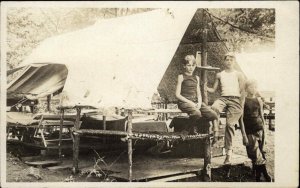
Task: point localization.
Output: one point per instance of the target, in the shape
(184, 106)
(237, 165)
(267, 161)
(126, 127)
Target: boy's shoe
(193, 130)
(214, 141)
(183, 134)
(227, 160)
(265, 173)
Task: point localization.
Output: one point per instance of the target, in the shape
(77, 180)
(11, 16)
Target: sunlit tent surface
(117, 62)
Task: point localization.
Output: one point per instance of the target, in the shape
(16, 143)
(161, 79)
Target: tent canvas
(121, 61)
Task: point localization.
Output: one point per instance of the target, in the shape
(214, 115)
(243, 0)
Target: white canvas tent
(115, 62)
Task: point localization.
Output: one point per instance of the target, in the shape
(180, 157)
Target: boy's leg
(208, 113)
(263, 142)
(218, 107)
(233, 114)
(256, 155)
(229, 134)
(194, 114)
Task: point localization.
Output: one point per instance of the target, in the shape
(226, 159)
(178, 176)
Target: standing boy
(253, 122)
(231, 100)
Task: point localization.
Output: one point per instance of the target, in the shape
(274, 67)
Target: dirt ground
(17, 171)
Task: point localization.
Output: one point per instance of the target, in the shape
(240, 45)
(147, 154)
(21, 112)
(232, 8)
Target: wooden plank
(150, 136)
(60, 167)
(174, 178)
(236, 159)
(43, 163)
(101, 132)
(147, 168)
(65, 166)
(57, 140)
(31, 158)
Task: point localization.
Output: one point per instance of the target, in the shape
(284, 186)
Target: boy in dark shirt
(253, 121)
(189, 95)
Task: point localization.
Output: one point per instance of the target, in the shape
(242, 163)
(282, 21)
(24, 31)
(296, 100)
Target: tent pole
(76, 141)
(60, 131)
(204, 59)
(207, 147)
(49, 103)
(129, 131)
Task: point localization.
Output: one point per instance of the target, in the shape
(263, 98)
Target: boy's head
(229, 60)
(251, 87)
(189, 63)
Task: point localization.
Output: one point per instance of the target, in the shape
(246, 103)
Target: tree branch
(240, 28)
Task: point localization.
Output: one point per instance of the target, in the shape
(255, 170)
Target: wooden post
(129, 131)
(165, 107)
(76, 141)
(270, 115)
(104, 127)
(104, 122)
(49, 103)
(204, 58)
(207, 160)
(60, 131)
(207, 145)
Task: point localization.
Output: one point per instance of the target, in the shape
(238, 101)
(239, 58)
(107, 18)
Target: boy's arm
(244, 135)
(199, 92)
(261, 110)
(178, 91)
(216, 84)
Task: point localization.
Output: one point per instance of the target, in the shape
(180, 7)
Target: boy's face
(252, 89)
(190, 67)
(229, 62)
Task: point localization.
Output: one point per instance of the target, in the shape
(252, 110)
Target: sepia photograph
(111, 93)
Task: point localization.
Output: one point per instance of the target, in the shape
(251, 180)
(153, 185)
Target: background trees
(27, 27)
(245, 29)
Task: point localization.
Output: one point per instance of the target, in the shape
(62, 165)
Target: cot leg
(207, 160)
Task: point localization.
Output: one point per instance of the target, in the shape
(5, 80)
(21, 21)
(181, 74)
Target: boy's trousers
(254, 148)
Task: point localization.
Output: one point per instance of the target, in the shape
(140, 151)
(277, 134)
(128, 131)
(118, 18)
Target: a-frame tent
(118, 62)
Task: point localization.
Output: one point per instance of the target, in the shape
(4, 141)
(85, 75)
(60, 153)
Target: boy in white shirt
(232, 97)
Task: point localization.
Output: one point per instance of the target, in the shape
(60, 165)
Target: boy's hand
(205, 87)
(192, 103)
(245, 140)
(198, 105)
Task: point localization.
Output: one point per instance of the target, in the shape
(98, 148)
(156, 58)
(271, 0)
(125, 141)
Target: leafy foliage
(245, 28)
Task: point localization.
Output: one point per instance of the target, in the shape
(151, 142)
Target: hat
(231, 54)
